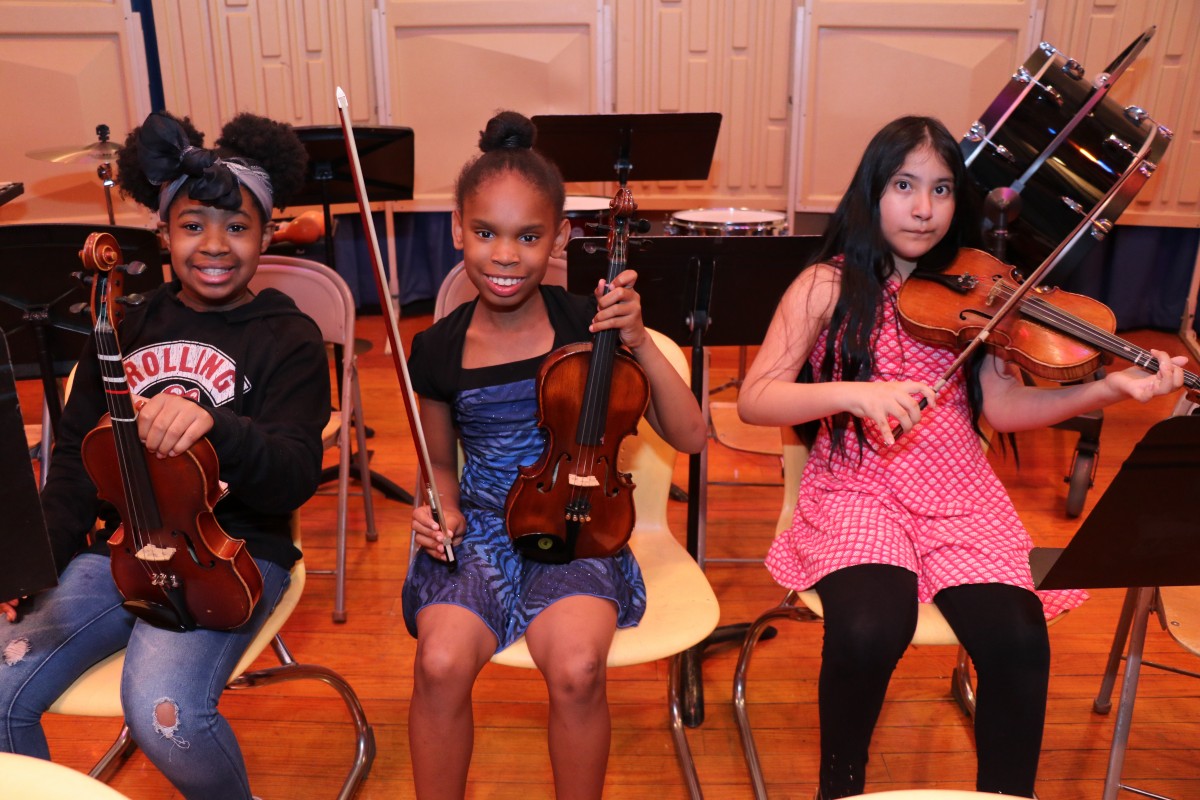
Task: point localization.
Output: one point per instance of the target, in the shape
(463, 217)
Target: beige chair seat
(26, 778)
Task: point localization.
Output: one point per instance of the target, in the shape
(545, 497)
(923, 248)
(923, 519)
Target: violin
(175, 566)
(575, 502)
(1053, 334)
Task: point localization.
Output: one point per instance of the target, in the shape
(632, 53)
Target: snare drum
(727, 222)
(583, 210)
(1008, 146)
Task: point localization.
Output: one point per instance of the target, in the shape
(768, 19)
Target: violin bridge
(153, 552)
(583, 481)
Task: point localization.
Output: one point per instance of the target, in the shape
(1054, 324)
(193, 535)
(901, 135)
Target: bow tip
(341, 98)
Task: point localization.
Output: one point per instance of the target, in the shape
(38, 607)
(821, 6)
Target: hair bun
(507, 130)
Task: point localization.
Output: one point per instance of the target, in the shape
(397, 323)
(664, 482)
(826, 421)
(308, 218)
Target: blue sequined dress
(495, 413)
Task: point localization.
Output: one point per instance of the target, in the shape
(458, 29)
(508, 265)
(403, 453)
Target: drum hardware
(102, 150)
(1065, 159)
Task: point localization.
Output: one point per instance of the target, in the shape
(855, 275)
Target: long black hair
(854, 233)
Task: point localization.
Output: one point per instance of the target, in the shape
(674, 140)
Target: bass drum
(727, 222)
(1007, 151)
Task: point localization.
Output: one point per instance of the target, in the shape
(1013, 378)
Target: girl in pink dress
(882, 523)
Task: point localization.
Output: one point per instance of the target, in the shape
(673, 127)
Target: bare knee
(444, 667)
(577, 677)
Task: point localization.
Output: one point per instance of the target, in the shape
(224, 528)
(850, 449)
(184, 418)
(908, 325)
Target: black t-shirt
(436, 363)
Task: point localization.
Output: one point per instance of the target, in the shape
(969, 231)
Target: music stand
(388, 163)
(649, 147)
(701, 291)
(1128, 543)
(28, 564)
(39, 285)
(388, 166)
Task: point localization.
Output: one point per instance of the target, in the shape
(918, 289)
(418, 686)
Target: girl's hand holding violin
(621, 308)
(169, 424)
(9, 609)
(429, 534)
(1142, 386)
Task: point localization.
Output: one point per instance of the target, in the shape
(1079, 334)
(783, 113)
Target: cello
(174, 565)
(575, 502)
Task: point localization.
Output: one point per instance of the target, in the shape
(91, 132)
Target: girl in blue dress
(475, 372)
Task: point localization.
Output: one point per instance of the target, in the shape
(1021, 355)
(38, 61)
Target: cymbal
(96, 151)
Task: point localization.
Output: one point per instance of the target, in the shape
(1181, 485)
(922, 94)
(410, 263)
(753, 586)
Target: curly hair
(131, 179)
(248, 138)
(507, 145)
(272, 145)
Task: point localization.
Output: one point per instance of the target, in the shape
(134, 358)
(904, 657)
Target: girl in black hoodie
(204, 356)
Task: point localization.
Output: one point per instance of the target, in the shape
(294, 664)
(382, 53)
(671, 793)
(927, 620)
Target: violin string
(108, 349)
(1093, 334)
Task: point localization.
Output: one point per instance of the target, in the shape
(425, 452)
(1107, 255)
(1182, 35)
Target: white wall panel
(862, 64)
(1165, 81)
(728, 56)
(272, 57)
(454, 64)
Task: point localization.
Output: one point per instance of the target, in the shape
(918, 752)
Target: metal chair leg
(960, 683)
(683, 752)
(790, 609)
(291, 670)
(112, 760)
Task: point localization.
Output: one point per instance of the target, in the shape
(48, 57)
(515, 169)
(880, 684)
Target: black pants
(870, 616)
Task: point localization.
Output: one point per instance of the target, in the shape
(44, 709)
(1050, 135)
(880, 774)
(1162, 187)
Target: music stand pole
(701, 291)
(387, 157)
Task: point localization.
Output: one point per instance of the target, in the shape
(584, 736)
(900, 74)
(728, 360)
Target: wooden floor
(297, 740)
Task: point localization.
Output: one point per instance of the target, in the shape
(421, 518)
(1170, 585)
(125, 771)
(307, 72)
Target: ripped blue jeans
(169, 689)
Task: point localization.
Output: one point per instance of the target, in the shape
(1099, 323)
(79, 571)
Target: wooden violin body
(171, 560)
(575, 502)
(186, 563)
(1054, 334)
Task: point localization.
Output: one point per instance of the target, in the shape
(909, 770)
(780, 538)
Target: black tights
(870, 616)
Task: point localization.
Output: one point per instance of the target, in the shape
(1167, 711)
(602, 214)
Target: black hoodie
(260, 369)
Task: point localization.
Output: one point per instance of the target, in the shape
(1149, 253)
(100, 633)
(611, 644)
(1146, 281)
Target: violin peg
(133, 268)
(134, 299)
(78, 308)
(83, 277)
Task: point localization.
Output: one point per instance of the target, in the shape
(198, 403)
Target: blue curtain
(424, 250)
(1141, 273)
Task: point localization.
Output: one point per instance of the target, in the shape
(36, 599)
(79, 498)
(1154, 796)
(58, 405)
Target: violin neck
(590, 430)
(131, 454)
(1097, 337)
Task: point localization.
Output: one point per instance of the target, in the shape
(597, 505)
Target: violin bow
(393, 329)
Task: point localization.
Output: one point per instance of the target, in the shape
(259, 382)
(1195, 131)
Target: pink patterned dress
(930, 503)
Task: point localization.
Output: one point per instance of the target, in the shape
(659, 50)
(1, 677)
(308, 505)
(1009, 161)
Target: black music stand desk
(28, 563)
(1129, 540)
(39, 288)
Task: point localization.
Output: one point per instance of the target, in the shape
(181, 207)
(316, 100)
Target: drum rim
(778, 217)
